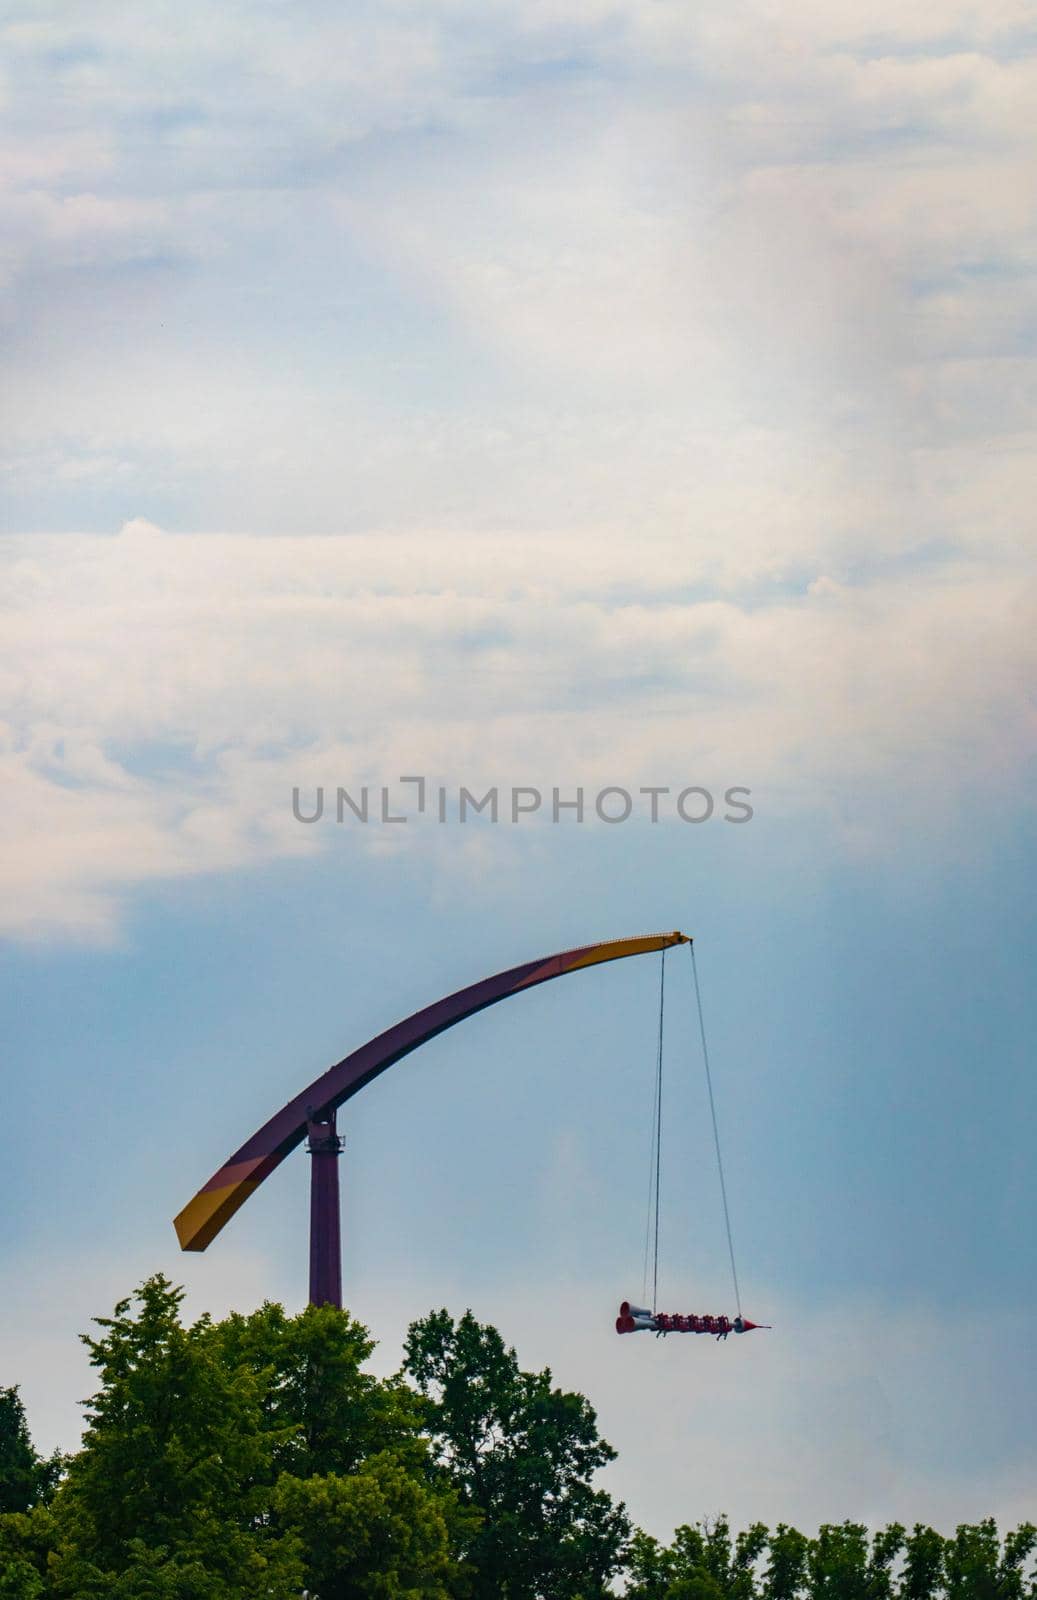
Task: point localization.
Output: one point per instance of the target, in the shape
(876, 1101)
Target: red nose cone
(746, 1324)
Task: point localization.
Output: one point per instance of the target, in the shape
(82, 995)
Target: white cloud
(665, 371)
(165, 693)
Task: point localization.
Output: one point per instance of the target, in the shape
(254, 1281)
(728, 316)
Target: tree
(25, 1477)
(377, 1534)
(523, 1454)
(255, 1457)
(26, 1540)
(842, 1566)
(922, 1574)
(785, 1576)
(649, 1567)
(705, 1563)
(330, 1414)
(170, 1491)
(975, 1567)
(841, 1563)
(700, 1564)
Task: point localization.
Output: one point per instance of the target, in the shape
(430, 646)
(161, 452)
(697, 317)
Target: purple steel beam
(325, 1147)
(228, 1189)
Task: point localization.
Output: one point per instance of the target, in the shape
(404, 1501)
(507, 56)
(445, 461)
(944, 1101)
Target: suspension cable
(651, 1186)
(658, 1127)
(716, 1134)
(655, 1154)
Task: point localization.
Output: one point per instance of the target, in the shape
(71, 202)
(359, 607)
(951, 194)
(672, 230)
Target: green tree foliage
(249, 1457)
(701, 1564)
(353, 1468)
(922, 1574)
(166, 1494)
(785, 1576)
(648, 1567)
(26, 1540)
(331, 1415)
(841, 1563)
(523, 1454)
(977, 1568)
(256, 1457)
(26, 1479)
(378, 1534)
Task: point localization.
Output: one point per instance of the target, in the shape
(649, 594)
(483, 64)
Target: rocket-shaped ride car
(637, 1319)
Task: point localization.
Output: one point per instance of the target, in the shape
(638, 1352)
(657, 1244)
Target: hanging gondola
(639, 1319)
(636, 1319)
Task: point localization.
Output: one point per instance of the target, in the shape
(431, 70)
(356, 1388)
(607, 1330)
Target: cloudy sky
(557, 395)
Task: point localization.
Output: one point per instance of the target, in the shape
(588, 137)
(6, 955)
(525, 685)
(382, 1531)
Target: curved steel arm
(228, 1189)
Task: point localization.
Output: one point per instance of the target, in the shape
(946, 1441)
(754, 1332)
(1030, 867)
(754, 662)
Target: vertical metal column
(325, 1147)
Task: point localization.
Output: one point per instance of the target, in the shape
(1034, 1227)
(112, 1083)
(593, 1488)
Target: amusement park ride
(311, 1115)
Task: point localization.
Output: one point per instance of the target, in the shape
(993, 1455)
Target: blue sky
(573, 395)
